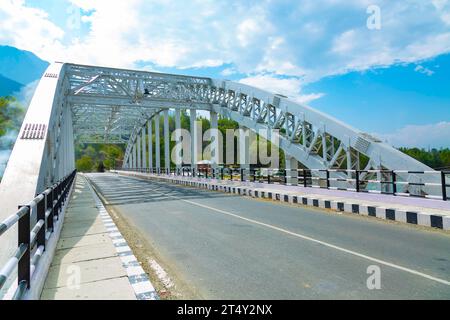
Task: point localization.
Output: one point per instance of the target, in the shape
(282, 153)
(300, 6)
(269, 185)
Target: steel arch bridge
(77, 103)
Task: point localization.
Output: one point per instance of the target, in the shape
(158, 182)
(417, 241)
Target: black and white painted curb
(139, 280)
(386, 213)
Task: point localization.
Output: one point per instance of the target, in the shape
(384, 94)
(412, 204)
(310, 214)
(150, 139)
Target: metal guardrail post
(49, 206)
(56, 203)
(444, 185)
(242, 175)
(41, 206)
(24, 239)
(328, 178)
(357, 181)
(394, 182)
(305, 184)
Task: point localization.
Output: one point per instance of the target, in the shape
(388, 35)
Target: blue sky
(392, 81)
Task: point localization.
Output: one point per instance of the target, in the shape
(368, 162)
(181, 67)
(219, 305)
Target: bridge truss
(89, 104)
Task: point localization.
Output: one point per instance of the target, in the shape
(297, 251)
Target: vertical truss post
(324, 144)
(244, 150)
(215, 151)
(166, 141)
(193, 129)
(157, 145)
(134, 157)
(178, 158)
(139, 154)
(144, 151)
(150, 144)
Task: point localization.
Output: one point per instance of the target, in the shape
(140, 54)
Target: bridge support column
(193, 125)
(166, 141)
(215, 151)
(157, 145)
(244, 151)
(178, 157)
(150, 144)
(144, 151)
(139, 154)
(291, 171)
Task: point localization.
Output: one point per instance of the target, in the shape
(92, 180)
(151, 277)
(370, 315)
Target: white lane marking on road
(357, 254)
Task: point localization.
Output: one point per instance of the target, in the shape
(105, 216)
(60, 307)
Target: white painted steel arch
(96, 105)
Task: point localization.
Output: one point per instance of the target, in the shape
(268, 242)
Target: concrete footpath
(86, 263)
(419, 211)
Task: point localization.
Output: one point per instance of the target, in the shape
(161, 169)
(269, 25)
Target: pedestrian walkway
(86, 264)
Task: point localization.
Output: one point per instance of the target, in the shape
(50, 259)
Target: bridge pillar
(150, 144)
(178, 158)
(244, 150)
(215, 151)
(157, 144)
(166, 141)
(193, 127)
(144, 151)
(139, 154)
(291, 171)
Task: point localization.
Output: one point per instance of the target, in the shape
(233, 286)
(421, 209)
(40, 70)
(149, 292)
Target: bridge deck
(225, 246)
(86, 265)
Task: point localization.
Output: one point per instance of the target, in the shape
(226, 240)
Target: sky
(380, 66)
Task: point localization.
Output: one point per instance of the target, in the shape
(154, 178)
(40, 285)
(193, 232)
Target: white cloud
(305, 39)
(423, 136)
(289, 87)
(443, 6)
(228, 72)
(302, 38)
(422, 69)
(28, 28)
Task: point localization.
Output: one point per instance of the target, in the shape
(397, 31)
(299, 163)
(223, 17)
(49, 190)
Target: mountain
(8, 86)
(20, 66)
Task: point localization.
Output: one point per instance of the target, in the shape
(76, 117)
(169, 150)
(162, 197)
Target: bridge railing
(47, 207)
(393, 182)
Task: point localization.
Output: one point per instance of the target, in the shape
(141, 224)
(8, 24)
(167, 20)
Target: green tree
(11, 116)
(434, 158)
(84, 164)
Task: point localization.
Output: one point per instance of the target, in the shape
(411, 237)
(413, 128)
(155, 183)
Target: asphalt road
(232, 247)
